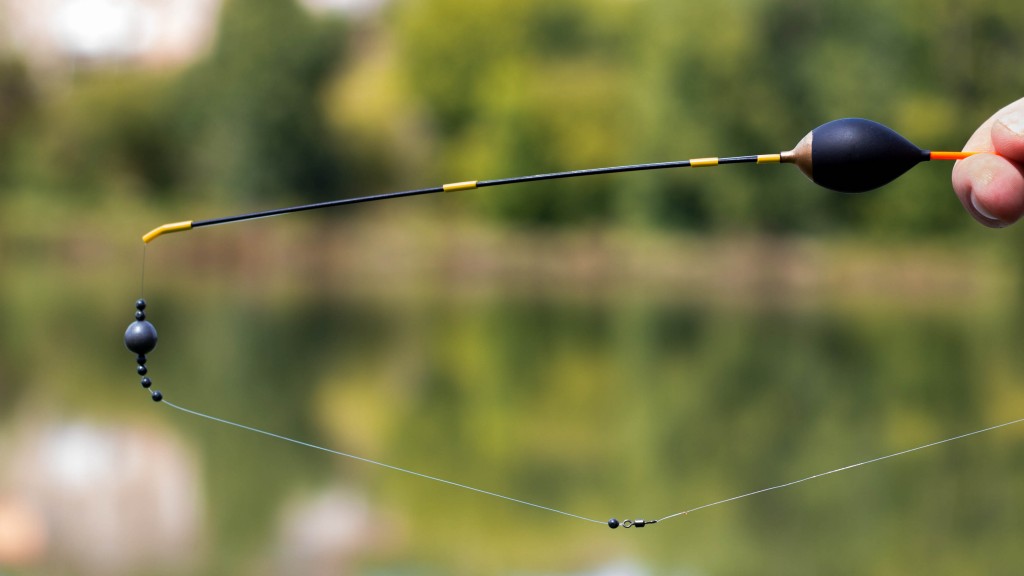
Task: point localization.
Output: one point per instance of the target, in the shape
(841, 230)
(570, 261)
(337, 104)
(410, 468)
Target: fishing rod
(849, 155)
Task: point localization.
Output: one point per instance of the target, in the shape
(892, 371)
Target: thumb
(1008, 134)
(991, 187)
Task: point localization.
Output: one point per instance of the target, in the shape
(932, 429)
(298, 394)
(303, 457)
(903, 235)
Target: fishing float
(850, 155)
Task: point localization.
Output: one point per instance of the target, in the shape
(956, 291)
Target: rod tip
(166, 229)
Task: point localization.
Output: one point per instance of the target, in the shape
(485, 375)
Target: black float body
(857, 155)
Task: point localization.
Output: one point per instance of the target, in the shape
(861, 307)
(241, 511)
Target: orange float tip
(951, 155)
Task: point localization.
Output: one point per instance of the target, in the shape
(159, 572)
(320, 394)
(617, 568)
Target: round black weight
(140, 337)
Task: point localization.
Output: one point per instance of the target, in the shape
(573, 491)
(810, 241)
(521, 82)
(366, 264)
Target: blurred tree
(534, 86)
(107, 131)
(17, 103)
(574, 84)
(253, 108)
(781, 68)
(529, 86)
(244, 123)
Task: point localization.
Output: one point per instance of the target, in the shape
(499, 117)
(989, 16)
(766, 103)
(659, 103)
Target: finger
(991, 189)
(1008, 134)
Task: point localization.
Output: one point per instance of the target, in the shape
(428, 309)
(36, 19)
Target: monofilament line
(569, 514)
(142, 276)
(844, 468)
(376, 463)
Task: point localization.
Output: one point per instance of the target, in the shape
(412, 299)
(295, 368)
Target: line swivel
(613, 523)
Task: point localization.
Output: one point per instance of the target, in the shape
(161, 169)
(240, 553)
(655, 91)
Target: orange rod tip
(951, 155)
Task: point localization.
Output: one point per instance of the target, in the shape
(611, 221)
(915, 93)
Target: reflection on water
(627, 405)
(98, 500)
(325, 531)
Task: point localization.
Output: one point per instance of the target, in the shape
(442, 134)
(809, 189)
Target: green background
(631, 345)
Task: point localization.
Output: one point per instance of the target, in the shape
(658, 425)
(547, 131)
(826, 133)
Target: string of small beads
(140, 338)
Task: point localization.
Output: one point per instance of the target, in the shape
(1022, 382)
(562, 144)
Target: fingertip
(1008, 135)
(981, 214)
(991, 189)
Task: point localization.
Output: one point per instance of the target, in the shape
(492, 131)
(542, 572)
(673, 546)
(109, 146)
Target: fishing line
(847, 155)
(844, 468)
(142, 279)
(377, 463)
(613, 523)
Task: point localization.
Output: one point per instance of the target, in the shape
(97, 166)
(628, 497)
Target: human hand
(991, 186)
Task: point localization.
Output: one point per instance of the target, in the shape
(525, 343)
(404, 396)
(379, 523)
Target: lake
(603, 374)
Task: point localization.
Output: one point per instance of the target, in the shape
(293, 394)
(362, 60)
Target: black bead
(140, 337)
(142, 370)
(146, 382)
(140, 359)
(613, 523)
(140, 304)
(157, 396)
(140, 315)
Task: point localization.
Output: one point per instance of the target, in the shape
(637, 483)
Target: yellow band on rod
(769, 158)
(456, 186)
(165, 229)
(699, 162)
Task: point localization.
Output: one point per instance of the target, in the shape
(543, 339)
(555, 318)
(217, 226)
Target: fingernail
(1014, 122)
(985, 213)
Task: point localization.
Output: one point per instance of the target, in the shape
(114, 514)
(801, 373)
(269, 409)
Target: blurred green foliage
(486, 90)
(574, 84)
(566, 402)
(17, 99)
(259, 127)
(113, 132)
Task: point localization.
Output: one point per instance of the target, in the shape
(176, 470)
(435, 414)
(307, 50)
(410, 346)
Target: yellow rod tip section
(166, 229)
(699, 162)
(456, 186)
(769, 158)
